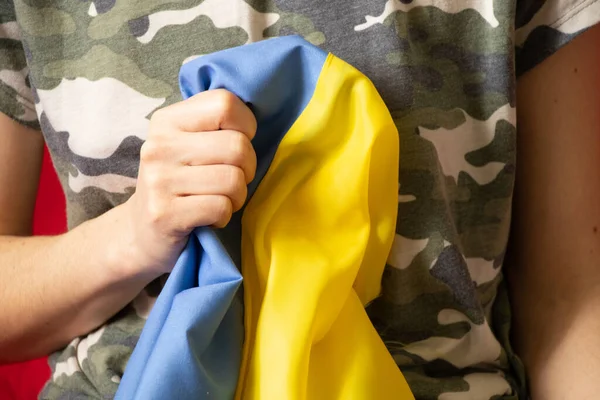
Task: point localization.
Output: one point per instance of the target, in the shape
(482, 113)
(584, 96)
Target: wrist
(126, 258)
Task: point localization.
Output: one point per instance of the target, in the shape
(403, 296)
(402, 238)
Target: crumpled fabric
(311, 243)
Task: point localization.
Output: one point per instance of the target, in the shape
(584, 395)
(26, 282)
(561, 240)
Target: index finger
(212, 110)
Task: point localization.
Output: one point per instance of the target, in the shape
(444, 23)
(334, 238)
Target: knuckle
(225, 102)
(221, 210)
(155, 212)
(155, 182)
(225, 99)
(237, 189)
(150, 151)
(238, 148)
(253, 125)
(159, 116)
(240, 198)
(235, 179)
(251, 173)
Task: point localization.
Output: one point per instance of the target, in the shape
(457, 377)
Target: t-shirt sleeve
(16, 96)
(544, 26)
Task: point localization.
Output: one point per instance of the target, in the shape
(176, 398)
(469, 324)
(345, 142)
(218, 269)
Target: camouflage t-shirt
(90, 73)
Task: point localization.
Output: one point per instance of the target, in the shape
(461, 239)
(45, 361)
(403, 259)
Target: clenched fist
(194, 168)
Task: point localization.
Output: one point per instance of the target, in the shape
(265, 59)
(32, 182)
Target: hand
(194, 168)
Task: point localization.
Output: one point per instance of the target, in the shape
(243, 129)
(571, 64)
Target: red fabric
(25, 380)
(50, 209)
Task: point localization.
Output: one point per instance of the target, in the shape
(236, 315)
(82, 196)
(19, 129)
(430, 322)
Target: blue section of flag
(194, 334)
(191, 345)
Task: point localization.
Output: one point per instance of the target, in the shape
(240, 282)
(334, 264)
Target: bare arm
(52, 289)
(194, 169)
(21, 151)
(555, 274)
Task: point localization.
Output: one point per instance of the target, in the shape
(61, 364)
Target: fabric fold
(311, 242)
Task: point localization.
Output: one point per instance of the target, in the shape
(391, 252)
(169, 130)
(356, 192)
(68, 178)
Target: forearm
(53, 289)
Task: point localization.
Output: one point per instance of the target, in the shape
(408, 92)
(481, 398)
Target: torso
(445, 70)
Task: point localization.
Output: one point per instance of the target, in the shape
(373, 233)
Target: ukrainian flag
(311, 243)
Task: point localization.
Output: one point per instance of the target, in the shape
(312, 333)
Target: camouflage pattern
(90, 73)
